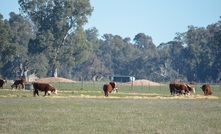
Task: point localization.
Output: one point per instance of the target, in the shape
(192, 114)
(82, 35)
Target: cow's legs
(45, 93)
(106, 93)
(36, 92)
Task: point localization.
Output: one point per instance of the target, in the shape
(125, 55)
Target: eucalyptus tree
(8, 49)
(21, 33)
(214, 43)
(55, 21)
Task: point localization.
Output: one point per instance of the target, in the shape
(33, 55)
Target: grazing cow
(192, 83)
(110, 87)
(115, 87)
(3, 81)
(206, 89)
(183, 89)
(174, 88)
(191, 89)
(45, 87)
(19, 82)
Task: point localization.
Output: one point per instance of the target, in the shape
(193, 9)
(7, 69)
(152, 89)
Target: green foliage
(50, 36)
(39, 65)
(56, 21)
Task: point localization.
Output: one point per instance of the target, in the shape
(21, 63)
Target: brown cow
(45, 87)
(191, 89)
(206, 89)
(192, 83)
(183, 89)
(3, 81)
(115, 89)
(19, 82)
(110, 87)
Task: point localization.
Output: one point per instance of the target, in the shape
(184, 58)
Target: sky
(160, 19)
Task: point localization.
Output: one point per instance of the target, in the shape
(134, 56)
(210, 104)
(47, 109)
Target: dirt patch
(54, 79)
(144, 82)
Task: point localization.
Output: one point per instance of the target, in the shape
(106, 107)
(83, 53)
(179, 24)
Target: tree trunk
(25, 75)
(55, 72)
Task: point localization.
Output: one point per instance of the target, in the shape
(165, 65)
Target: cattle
(19, 82)
(3, 82)
(192, 83)
(45, 87)
(206, 89)
(191, 89)
(115, 89)
(109, 88)
(182, 89)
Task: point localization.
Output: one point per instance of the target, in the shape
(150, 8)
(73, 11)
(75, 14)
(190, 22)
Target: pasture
(82, 108)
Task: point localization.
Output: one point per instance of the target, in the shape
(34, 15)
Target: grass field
(85, 110)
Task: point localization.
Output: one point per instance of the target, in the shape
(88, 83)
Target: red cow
(110, 87)
(19, 82)
(206, 89)
(3, 81)
(192, 83)
(180, 88)
(191, 89)
(45, 87)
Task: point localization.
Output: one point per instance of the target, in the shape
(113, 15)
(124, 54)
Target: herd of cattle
(185, 89)
(111, 87)
(20, 84)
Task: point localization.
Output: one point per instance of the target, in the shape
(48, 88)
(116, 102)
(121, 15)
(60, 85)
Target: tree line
(48, 39)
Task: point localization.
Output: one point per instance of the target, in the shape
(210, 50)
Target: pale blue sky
(160, 19)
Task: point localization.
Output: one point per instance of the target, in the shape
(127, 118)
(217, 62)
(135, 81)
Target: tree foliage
(56, 21)
(48, 38)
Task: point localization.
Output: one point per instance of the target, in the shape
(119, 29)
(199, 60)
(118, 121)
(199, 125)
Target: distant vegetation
(48, 39)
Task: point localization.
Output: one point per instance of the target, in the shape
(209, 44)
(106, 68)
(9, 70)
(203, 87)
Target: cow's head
(114, 86)
(191, 89)
(55, 91)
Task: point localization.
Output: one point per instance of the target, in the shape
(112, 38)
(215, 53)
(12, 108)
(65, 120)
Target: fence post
(82, 83)
(59, 83)
(132, 85)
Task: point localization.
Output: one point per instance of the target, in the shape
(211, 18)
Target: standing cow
(206, 89)
(183, 89)
(45, 87)
(19, 82)
(3, 81)
(110, 87)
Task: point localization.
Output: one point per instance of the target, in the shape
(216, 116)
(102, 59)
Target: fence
(124, 87)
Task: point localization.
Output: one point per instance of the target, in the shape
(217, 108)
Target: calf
(3, 82)
(19, 82)
(45, 87)
(206, 89)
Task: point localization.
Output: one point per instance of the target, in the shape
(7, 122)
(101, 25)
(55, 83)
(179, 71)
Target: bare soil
(54, 79)
(144, 82)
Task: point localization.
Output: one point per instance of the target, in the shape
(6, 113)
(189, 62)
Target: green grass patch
(86, 110)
